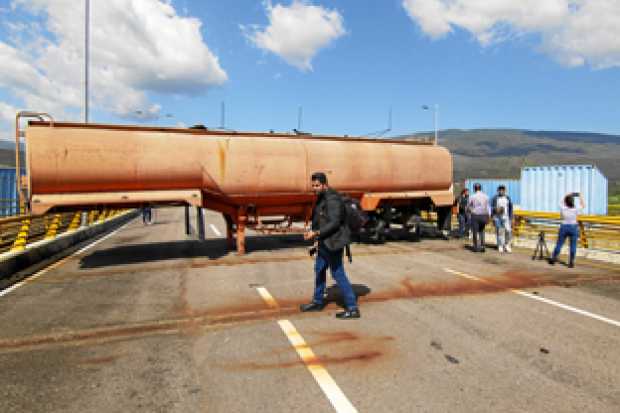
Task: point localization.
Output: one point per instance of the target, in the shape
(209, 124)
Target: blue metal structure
(544, 187)
(489, 187)
(8, 192)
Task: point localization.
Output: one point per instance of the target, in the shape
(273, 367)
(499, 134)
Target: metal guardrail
(18, 231)
(595, 232)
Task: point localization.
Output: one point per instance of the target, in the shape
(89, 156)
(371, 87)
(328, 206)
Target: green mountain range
(500, 153)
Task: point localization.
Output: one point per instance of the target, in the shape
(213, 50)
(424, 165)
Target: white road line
(214, 229)
(59, 262)
(334, 394)
(268, 298)
(541, 299)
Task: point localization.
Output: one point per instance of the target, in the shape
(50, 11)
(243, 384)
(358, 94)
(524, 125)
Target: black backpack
(354, 218)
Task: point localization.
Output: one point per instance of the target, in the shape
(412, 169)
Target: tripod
(542, 244)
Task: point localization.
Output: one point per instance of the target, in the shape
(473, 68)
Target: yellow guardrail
(17, 232)
(595, 231)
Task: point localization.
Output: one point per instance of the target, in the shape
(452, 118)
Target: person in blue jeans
(568, 228)
(331, 236)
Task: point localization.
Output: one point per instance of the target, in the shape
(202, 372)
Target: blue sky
(484, 68)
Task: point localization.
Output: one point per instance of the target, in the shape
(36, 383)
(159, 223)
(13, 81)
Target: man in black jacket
(332, 235)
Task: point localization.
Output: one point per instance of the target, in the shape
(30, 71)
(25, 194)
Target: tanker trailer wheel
(414, 226)
(444, 221)
(378, 229)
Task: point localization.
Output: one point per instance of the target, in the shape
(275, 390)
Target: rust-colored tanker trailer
(245, 176)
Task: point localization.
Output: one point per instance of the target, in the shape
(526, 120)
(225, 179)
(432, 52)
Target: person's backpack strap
(347, 249)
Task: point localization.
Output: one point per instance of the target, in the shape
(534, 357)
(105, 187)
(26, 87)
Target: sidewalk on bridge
(15, 261)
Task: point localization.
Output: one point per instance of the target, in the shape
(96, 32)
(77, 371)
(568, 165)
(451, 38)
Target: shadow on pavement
(334, 296)
(172, 250)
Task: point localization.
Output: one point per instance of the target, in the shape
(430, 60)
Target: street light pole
(86, 57)
(435, 117)
(436, 121)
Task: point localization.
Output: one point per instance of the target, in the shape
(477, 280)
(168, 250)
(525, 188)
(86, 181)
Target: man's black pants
(478, 222)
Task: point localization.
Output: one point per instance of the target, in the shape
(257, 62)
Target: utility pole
(300, 114)
(86, 57)
(223, 115)
(436, 120)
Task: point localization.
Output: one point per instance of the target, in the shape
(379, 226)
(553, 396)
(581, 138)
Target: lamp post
(86, 57)
(435, 117)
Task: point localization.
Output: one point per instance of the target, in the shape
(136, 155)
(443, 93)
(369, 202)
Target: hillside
(500, 153)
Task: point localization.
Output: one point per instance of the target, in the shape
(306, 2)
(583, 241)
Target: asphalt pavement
(151, 320)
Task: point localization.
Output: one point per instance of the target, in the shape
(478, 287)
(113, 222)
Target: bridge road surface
(149, 320)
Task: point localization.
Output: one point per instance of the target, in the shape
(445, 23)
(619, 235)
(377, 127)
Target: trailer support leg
(200, 224)
(188, 228)
(241, 221)
(230, 233)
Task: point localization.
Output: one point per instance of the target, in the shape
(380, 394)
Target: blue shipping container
(489, 187)
(544, 187)
(8, 192)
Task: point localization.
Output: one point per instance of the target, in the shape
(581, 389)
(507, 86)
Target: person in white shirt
(501, 205)
(480, 210)
(568, 228)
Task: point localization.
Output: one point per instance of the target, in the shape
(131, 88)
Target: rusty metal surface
(42, 203)
(76, 158)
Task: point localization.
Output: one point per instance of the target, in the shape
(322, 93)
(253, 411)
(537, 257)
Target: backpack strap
(347, 248)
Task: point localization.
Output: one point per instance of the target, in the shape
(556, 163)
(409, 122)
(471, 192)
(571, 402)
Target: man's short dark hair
(477, 187)
(320, 176)
(499, 188)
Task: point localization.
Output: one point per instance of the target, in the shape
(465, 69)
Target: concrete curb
(12, 262)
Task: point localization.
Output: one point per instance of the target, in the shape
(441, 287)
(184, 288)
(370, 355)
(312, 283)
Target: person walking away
(501, 205)
(331, 236)
(462, 213)
(147, 215)
(478, 206)
(568, 228)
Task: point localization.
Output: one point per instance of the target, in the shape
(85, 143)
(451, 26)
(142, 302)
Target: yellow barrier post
(583, 239)
(92, 216)
(53, 227)
(75, 222)
(22, 236)
(102, 216)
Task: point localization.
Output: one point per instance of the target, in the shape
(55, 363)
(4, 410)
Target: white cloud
(7, 113)
(137, 47)
(574, 32)
(297, 32)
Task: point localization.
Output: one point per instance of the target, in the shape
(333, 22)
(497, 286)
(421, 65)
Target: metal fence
(595, 231)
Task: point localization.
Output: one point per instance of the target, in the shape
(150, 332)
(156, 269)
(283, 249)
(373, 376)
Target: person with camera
(331, 236)
(480, 210)
(501, 205)
(568, 228)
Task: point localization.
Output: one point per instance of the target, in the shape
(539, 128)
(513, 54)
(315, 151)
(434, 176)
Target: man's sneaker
(508, 248)
(347, 314)
(500, 248)
(304, 308)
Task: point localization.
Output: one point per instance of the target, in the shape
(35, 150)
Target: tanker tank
(245, 176)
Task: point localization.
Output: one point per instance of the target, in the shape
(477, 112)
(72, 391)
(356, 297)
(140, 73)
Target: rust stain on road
(359, 357)
(191, 321)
